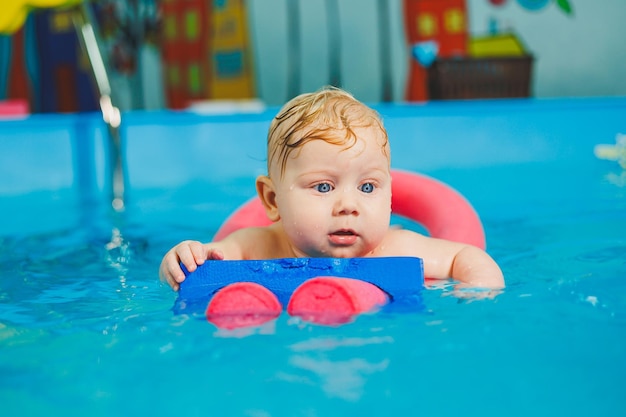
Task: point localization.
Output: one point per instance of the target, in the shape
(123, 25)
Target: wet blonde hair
(330, 114)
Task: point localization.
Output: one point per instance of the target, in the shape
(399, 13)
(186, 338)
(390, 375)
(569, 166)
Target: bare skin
(333, 201)
(442, 259)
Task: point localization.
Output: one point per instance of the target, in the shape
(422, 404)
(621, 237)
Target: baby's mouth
(343, 237)
(344, 232)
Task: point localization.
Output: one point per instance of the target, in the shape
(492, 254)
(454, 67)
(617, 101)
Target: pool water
(86, 328)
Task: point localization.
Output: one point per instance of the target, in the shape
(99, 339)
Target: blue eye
(323, 187)
(368, 187)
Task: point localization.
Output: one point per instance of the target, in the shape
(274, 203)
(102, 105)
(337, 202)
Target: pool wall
(57, 163)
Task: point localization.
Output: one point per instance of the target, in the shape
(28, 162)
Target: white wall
(579, 55)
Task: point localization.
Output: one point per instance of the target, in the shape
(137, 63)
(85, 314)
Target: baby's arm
(191, 254)
(467, 264)
(444, 259)
(476, 268)
(248, 243)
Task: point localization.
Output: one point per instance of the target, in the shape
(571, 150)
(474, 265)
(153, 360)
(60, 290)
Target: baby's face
(336, 202)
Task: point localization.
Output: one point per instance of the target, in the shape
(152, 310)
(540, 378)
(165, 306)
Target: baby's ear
(265, 190)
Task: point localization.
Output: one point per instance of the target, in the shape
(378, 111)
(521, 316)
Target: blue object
(425, 52)
(402, 278)
(493, 26)
(533, 4)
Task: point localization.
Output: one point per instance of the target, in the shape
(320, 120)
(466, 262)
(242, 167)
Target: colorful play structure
(204, 47)
(204, 51)
(448, 63)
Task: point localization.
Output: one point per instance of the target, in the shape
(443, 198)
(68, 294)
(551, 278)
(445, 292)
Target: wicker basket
(469, 78)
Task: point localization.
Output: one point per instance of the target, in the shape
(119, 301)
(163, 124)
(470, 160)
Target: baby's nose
(346, 203)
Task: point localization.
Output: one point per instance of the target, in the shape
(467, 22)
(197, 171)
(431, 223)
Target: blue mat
(402, 278)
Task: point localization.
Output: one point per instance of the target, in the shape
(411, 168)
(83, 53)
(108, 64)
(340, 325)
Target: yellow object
(454, 20)
(13, 13)
(496, 45)
(426, 25)
(232, 75)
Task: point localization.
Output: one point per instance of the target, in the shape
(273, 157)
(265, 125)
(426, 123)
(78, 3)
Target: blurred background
(173, 54)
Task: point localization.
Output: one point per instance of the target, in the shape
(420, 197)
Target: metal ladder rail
(84, 23)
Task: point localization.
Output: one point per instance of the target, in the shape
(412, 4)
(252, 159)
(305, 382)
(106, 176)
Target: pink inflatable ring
(439, 208)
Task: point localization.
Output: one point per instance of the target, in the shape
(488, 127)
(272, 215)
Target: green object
(192, 25)
(194, 78)
(565, 6)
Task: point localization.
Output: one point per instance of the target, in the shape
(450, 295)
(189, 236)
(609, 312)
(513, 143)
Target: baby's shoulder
(402, 234)
(403, 242)
(263, 242)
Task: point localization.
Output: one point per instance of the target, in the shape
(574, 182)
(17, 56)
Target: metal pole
(84, 24)
(293, 48)
(334, 42)
(385, 49)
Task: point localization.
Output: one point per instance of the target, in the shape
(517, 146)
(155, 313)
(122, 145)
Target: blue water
(86, 328)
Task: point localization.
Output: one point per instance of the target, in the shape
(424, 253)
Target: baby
(328, 194)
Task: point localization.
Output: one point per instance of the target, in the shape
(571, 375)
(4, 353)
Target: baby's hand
(191, 254)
